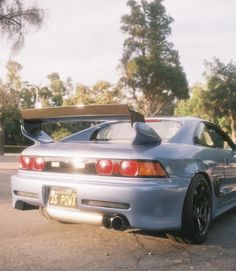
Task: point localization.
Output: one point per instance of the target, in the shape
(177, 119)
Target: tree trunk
(1, 137)
(233, 126)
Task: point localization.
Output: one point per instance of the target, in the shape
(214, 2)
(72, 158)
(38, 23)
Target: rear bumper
(150, 204)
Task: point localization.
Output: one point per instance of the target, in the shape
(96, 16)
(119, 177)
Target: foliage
(16, 94)
(69, 87)
(101, 93)
(194, 106)
(60, 133)
(27, 97)
(217, 100)
(57, 89)
(152, 79)
(10, 112)
(16, 20)
(45, 96)
(221, 85)
(4, 97)
(150, 65)
(12, 123)
(60, 130)
(13, 74)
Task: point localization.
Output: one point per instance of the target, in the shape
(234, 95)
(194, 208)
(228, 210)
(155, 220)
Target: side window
(210, 136)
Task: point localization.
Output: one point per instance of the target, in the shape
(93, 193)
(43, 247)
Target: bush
(14, 148)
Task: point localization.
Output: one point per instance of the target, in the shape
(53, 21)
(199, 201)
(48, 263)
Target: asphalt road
(29, 242)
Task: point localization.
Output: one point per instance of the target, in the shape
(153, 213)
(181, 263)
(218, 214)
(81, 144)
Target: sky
(81, 39)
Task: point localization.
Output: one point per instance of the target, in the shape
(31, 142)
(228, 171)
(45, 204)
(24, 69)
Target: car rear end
(115, 185)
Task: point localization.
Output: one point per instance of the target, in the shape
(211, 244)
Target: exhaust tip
(118, 223)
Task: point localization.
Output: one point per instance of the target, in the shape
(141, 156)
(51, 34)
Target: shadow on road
(222, 231)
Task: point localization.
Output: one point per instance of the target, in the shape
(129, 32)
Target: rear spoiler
(33, 118)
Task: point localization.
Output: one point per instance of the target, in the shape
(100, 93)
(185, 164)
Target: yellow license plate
(62, 197)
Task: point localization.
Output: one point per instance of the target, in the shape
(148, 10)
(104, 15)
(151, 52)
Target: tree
(45, 96)
(9, 98)
(101, 93)
(105, 93)
(57, 89)
(150, 65)
(216, 100)
(221, 96)
(3, 100)
(13, 75)
(16, 20)
(194, 106)
(69, 87)
(27, 97)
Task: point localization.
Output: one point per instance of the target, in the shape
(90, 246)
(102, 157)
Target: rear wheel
(197, 212)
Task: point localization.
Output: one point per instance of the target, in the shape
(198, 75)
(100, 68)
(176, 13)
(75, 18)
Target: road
(29, 242)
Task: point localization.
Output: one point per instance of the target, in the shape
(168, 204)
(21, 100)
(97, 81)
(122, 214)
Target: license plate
(62, 197)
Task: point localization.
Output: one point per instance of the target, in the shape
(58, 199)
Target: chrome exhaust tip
(117, 223)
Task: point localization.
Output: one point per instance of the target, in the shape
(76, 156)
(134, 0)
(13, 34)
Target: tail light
(32, 163)
(104, 167)
(25, 162)
(130, 168)
(38, 164)
(152, 169)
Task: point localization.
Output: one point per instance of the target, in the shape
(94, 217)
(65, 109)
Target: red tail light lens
(129, 168)
(104, 167)
(25, 162)
(38, 163)
(32, 163)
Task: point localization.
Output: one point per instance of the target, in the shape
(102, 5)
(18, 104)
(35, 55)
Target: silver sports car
(164, 174)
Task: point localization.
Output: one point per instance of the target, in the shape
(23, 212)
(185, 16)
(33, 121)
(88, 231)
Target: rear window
(123, 131)
(116, 132)
(165, 128)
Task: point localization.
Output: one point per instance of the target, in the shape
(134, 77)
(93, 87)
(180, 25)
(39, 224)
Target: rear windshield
(116, 132)
(165, 128)
(123, 131)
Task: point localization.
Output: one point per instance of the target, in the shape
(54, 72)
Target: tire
(197, 212)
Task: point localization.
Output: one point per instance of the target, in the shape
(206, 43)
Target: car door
(222, 150)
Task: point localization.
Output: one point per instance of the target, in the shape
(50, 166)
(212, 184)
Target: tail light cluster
(130, 168)
(32, 163)
(105, 167)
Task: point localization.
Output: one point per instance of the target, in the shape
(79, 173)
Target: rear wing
(34, 118)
